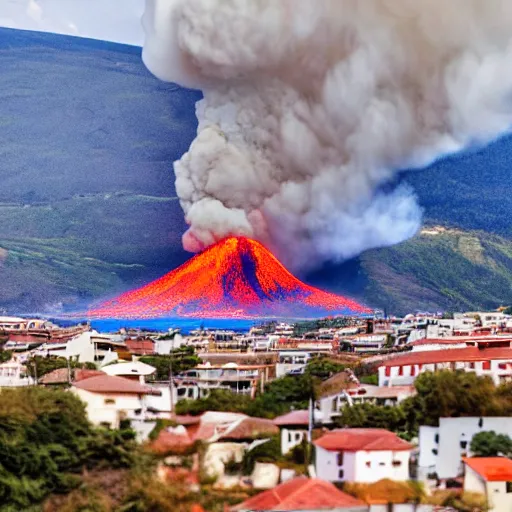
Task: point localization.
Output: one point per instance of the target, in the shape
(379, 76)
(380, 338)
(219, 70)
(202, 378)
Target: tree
(217, 400)
(372, 416)
(450, 394)
(324, 368)
(490, 444)
(182, 359)
(39, 366)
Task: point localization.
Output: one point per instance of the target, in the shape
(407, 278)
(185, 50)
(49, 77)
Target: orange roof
(367, 439)
(167, 442)
(301, 494)
(251, 428)
(492, 469)
(298, 418)
(111, 384)
(449, 356)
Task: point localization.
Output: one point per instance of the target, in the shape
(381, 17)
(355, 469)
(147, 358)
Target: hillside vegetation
(451, 270)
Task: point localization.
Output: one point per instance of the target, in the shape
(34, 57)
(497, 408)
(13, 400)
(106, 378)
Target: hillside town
(345, 413)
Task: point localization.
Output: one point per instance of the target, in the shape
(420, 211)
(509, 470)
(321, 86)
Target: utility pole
(69, 370)
(171, 378)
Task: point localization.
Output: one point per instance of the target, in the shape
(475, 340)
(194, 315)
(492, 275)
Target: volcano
(237, 277)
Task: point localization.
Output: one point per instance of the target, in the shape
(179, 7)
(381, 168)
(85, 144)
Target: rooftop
(451, 355)
(301, 494)
(60, 375)
(366, 439)
(300, 418)
(129, 368)
(491, 469)
(111, 384)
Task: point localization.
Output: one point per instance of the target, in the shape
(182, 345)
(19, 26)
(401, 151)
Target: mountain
(89, 209)
(235, 277)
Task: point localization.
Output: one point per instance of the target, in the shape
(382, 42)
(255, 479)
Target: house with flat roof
(492, 477)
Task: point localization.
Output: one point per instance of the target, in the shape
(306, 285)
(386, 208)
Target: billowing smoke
(312, 106)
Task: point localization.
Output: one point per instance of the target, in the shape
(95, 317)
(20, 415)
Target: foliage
(269, 451)
(40, 366)
(182, 359)
(490, 444)
(217, 400)
(323, 368)
(367, 415)
(46, 442)
(5, 355)
(450, 394)
(160, 424)
(465, 502)
(372, 379)
(387, 491)
(508, 311)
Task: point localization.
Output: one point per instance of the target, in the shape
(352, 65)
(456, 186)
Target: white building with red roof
(110, 399)
(492, 477)
(362, 455)
(403, 369)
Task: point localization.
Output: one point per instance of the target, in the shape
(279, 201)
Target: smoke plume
(311, 106)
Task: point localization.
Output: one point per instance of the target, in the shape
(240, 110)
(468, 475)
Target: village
(347, 414)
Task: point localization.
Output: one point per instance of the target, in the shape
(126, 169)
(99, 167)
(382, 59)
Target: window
(334, 406)
(436, 439)
(290, 437)
(397, 463)
(486, 365)
(400, 370)
(109, 401)
(382, 463)
(463, 444)
(298, 436)
(340, 459)
(509, 487)
(368, 464)
(340, 474)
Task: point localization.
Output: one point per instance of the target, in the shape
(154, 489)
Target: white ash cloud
(311, 106)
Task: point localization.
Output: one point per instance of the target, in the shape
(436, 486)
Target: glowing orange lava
(237, 277)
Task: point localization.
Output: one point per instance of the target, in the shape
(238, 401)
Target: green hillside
(447, 269)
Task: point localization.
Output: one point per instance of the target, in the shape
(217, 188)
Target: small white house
(443, 448)
(492, 477)
(111, 399)
(294, 429)
(363, 455)
(14, 374)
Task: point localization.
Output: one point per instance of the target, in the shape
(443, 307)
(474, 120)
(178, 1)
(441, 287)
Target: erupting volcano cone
(235, 277)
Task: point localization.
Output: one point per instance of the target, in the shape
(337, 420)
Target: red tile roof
(454, 340)
(448, 356)
(492, 469)
(367, 439)
(301, 494)
(60, 375)
(167, 442)
(111, 384)
(296, 418)
(141, 347)
(251, 428)
(187, 419)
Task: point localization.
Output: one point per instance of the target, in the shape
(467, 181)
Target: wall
(99, 412)
(498, 498)
(219, 453)
(326, 465)
(376, 465)
(427, 441)
(296, 435)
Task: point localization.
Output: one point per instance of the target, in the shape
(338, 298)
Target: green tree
(5, 355)
(182, 359)
(368, 415)
(217, 400)
(450, 394)
(324, 368)
(490, 444)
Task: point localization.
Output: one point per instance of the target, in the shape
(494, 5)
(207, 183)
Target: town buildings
(443, 448)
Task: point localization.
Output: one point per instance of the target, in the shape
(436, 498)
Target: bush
(490, 444)
(269, 451)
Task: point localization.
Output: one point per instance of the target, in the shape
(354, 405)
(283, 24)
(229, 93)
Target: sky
(109, 20)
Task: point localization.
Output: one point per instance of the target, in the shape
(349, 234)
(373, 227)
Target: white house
(362, 455)
(403, 370)
(442, 448)
(491, 476)
(294, 428)
(88, 347)
(111, 399)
